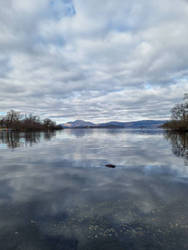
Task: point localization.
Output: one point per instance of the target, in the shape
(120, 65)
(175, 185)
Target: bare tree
(179, 112)
(16, 121)
(48, 123)
(11, 119)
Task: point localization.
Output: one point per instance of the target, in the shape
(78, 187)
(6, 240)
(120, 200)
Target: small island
(179, 117)
(15, 121)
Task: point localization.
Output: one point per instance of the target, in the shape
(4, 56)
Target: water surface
(57, 194)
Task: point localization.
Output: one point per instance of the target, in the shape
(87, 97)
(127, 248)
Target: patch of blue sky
(62, 8)
(121, 27)
(147, 86)
(58, 41)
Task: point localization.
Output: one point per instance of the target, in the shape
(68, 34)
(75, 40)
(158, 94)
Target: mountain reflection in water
(58, 194)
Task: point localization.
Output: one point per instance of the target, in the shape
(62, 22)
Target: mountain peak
(78, 123)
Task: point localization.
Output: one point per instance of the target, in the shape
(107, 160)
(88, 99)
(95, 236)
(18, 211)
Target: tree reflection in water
(179, 143)
(15, 140)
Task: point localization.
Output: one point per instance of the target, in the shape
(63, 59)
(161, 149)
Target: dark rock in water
(110, 166)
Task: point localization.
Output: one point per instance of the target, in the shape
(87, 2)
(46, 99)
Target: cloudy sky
(93, 60)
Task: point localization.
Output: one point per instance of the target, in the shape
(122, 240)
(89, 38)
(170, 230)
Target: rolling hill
(114, 124)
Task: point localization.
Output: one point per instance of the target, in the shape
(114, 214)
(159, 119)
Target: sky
(93, 60)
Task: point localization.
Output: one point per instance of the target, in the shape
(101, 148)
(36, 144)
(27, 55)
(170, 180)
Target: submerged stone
(110, 166)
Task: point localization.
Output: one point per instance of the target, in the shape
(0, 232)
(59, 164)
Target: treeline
(179, 118)
(18, 122)
(176, 125)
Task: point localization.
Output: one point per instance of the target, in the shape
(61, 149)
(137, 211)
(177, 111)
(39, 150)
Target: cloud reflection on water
(58, 195)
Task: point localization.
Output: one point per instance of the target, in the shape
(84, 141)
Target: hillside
(114, 124)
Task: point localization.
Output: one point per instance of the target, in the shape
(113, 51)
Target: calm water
(57, 194)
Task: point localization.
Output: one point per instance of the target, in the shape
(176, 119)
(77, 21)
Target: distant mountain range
(138, 124)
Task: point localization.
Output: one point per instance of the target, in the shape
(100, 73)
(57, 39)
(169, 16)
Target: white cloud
(93, 60)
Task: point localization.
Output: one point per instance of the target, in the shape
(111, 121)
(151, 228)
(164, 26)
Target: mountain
(78, 124)
(137, 124)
